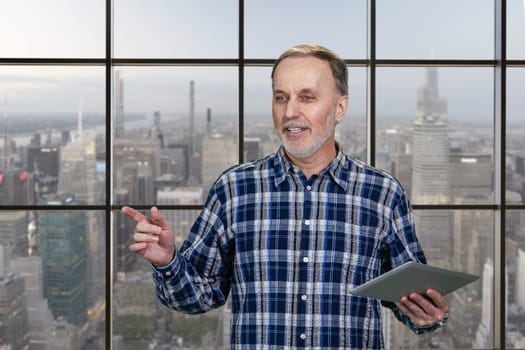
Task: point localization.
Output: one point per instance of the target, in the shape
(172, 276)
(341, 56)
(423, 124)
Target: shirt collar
(336, 168)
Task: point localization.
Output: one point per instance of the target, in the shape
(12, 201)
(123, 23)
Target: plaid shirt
(290, 249)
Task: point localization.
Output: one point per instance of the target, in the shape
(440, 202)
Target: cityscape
(53, 261)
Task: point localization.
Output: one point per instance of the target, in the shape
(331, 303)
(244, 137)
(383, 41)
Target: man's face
(306, 106)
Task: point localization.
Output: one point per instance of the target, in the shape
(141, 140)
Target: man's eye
(307, 98)
(279, 98)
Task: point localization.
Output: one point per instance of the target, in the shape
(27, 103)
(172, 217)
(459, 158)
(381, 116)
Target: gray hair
(337, 64)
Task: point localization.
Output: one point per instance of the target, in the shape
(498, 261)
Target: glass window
(515, 167)
(515, 279)
(53, 29)
(53, 129)
(139, 319)
(515, 29)
(274, 26)
(53, 276)
(450, 29)
(435, 132)
(176, 130)
(181, 29)
(461, 240)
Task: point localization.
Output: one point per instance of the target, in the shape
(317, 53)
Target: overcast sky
(418, 29)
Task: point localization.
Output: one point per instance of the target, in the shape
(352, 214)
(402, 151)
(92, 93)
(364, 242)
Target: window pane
(181, 29)
(515, 169)
(59, 28)
(274, 26)
(515, 279)
(258, 124)
(461, 240)
(515, 29)
(53, 278)
(54, 121)
(446, 29)
(139, 319)
(435, 132)
(176, 130)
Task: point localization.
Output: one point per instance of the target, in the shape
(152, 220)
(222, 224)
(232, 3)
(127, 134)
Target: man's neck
(315, 163)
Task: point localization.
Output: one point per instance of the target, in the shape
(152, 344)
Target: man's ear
(342, 107)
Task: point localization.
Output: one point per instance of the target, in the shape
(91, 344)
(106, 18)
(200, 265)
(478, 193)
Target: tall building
(472, 174)
(219, 153)
(78, 176)
(119, 105)
(128, 154)
(16, 186)
(14, 326)
(252, 148)
(483, 337)
(520, 279)
(430, 177)
(40, 317)
(44, 164)
(14, 231)
(78, 165)
(63, 240)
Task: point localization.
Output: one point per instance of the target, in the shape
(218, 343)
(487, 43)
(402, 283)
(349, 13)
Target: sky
(416, 29)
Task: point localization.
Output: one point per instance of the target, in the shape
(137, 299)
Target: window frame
(500, 63)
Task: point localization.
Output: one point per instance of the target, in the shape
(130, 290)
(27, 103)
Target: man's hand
(153, 237)
(424, 310)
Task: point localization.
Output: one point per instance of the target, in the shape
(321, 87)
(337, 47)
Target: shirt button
(304, 297)
(307, 222)
(306, 259)
(302, 336)
(308, 188)
(168, 274)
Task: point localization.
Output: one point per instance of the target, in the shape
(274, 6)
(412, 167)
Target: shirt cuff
(168, 271)
(421, 330)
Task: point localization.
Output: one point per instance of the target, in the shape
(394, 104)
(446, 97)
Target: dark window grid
(500, 64)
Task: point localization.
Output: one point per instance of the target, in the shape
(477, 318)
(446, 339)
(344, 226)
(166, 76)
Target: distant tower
(6, 141)
(430, 177)
(208, 121)
(79, 120)
(431, 147)
(156, 120)
(192, 117)
(119, 105)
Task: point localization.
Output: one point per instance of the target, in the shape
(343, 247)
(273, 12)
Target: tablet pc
(413, 277)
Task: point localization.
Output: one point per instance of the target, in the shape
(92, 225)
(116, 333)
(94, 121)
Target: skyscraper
(430, 177)
(14, 326)
(119, 105)
(431, 147)
(483, 337)
(13, 231)
(63, 240)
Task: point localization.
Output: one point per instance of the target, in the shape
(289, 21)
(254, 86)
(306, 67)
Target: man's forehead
(302, 73)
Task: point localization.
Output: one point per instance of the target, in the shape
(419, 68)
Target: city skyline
(175, 127)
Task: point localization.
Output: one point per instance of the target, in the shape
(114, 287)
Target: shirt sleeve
(198, 277)
(404, 246)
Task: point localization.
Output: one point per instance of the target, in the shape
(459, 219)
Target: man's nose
(292, 108)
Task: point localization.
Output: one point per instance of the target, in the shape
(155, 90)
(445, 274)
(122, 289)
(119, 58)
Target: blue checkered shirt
(289, 249)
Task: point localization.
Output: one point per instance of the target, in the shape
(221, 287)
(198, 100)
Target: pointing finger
(134, 214)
